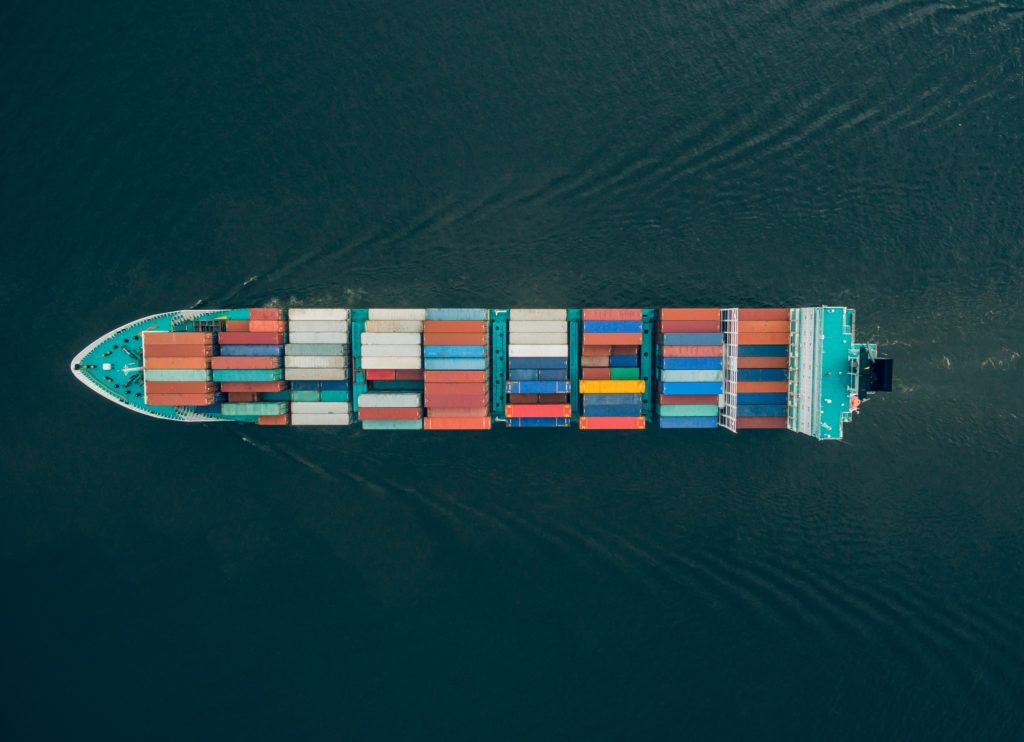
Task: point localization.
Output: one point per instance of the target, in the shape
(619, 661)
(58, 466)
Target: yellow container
(603, 386)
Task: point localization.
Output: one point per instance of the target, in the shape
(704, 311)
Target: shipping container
(455, 364)
(763, 386)
(320, 408)
(538, 422)
(390, 399)
(196, 362)
(457, 423)
(245, 409)
(459, 411)
(248, 374)
(454, 338)
(177, 338)
(538, 410)
(690, 351)
(538, 351)
(763, 338)
(176, 374)
(691, 315)
(691, 363)
(236, 325)
(763, 374)
(314, 419)
(764, 326)
(612, 314)
(761, 398)
(393, 424)
(390, 413)
(262, 325)
(688, 410)
(431, 399)
(588, 386)
(272, 420)
(180, 387)
(252, 350)
(611, 410)
(688, 422)
(393, 325)
(538, 338)
(253, 386)
(177, 351)
(542, 326)
(316, 362)
(408, 374)
(391, 362)
(764, 314)
(692, 338)
(612, 423)
(316, 374)
(315, 313)
(392, 351)
(537, 314)
(612, 338)
(178, 400)
(690, 387)
(533, 362)
(746, 423)
(318, 337)
(397, 313)
(390, 338)
(455, 376)
(457, 313)
(763, 361)
(317, 326)
(250, 338)
(761, 410)
(454, 351)
(674, 399)
(674, 326)
(221, 362)
(687, 375)
(537, 387)
(266, 313)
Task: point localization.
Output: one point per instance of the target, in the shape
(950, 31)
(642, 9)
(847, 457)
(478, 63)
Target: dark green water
(166, 581)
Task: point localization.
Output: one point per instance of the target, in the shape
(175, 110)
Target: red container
(764, 314)
(762, 386)
(408, 374)
(747, 423)
(454, 338)
(243, 396)
(452, 376)
(390, 413)
(266, 313)
(183, 400)
(458, 412)
(455, 326)
(691, 315)
(379, 374)
(764, 338)
(266, 325)
(176, 362)
(763, 362)
(691, 351)
(685, 325)
(250, 338)
(613, 423)
(237, 325)
(750, 325)
(624, 350)
(620, 314)
(177, 351)
(598, 350)
(180, 387)
(457, 423)
(177, 338)
(222, 362)
(687, 399)
(594, 361)
(538, 410)
(597, 373)
(253, 386)
(466, 387)
(612, 338)
(272, 420)
(524, 399)
(455, 400)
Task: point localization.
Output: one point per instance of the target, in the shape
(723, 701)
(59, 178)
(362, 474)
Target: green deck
(834, 394)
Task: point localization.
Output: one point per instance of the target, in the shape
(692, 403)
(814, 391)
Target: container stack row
(611, 389)
(456, 360)
(248, 365)
(763, 360)
(176, 368)
(538, 387)
(316, 365)
(391, 359)
(689, 372)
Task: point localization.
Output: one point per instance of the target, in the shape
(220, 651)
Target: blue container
(334, 386)
(454, 351)
(760, 410)
(455, 364)
(611, 410)
(523, 374)
(687, 422)
(538, 363)
(616, 399)
(690, 364)
(537, 387)
(773, 398)
(552, 374)
(622, 361)
(762, 374)
(613, 325)
(210, 409)
(252, 350)
(457, 313)
(693, 338)
(764, 351)
(690, 387)
(538, 422)
(305, 386)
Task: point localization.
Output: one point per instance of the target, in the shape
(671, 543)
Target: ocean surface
(215, 582)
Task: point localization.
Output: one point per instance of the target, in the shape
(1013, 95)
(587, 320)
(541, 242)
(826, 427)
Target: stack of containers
(611, 388)
(176, 368)
(763, 360)
(316, 361)
(391, 350)
(690, 375)
(456, 359)
(538, 386)
(249, 364)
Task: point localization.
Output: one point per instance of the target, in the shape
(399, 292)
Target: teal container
(248, 374)
(316, 349)
(334, 395)
(176, 374)
(284, 396)
(305, 396)
(688, 410)
(392, 425)
(690, 375)
(237, 409)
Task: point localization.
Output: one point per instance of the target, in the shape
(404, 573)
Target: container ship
(798, 369)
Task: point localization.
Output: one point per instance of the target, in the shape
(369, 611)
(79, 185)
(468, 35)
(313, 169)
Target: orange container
(613, 314)
(763, 386)
(762, 362)
(266, 313)
(538, 410)
(179, 387)
(390, 413)
(266, 325)
(456, 326)
(245, 362)
(176, 351)
(176, 362)
(177, 338)
(598, 350)
(175, 400)
(748, 423)
(380, 374)
(752, 325)
(613, 423)
(597, 373)
(458, 412)
(691, 314)
(454, 400)
(612, 338)
(691, 351)
(458, 387)
(454, 338)
(765, 314)
(272, 420)
(453, 376)
(764, 338)
(457, 423)
(243, 396)
(236, 325)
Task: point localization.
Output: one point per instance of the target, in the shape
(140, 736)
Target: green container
(237, 409)
(688, 410)
(305, 395)
(176, 374)
(248, 374)
(285, 396)
(392, 425)
(334, 395)
(627, 374)
(315, 349)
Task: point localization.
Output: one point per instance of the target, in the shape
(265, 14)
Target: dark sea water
(174, 582)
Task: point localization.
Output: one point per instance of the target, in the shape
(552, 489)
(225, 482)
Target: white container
(389, 399)
(416, 314)
(322, 408)
(391, 338)
(317, 313)
(538, 338)
(403, 362)
(544, 325)
(393, 325)
(536, 314)
(318, 337)
(538, 351)
(317, 325)
(303, 418)
(316, 362)
(395, 351)
(315, 374)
